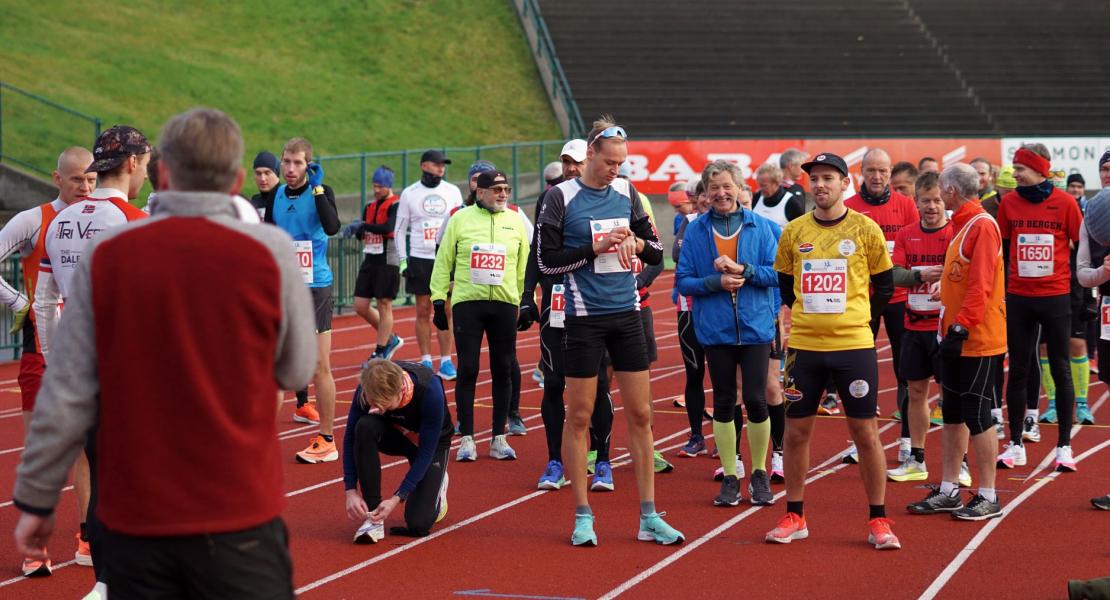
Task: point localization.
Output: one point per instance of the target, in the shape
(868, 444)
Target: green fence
(10, 345)
(33, 128)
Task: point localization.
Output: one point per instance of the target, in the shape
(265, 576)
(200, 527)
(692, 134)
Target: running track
(503, 539)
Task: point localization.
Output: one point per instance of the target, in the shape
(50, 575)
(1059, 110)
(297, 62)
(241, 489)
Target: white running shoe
(778, 475)
(499, 449)
(999, 430)
(468, 452)
(911, 470)
(370, 532)
(1031, 431)
(1012, 456)
(965, 475)
(1065, 462)
(719, 473)
(851, 455)
(904, 451)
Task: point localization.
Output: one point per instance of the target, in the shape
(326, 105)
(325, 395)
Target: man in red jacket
(145, 353)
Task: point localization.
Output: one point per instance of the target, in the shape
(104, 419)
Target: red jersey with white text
(1039, 234)
(897, 212)
(916, 247)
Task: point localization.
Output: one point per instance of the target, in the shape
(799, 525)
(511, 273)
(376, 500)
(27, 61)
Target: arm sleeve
(431, 407)
(882, 289)
(1089, 275)
(552, 257)
(903, 277)
(45, 307)
(350, 473)
(13, 238)
(795, 207)
(326, 210)
(981, 246)
(444, 264)
(532, 273)
(383, 229)
(786, 289)
(295, 359)
(647, 276)
(401, 229)
(643, 227)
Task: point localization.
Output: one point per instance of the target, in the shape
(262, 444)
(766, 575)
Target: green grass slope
(350, 76)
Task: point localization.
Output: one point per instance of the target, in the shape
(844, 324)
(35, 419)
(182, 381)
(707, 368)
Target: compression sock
(758, 436)
(725, 434)
(778, 425)
(1081, 376)
(1046, 380)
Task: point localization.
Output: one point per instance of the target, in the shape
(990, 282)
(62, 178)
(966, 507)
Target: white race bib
(824, 285)
(429, 229)
(487, 264)
(304, 258)
(557, 316)
(608, 261)
(921, 296)
(373, 243)
(1104, 318)
(1034, 254)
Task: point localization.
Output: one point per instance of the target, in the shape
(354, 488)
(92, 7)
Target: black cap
(488, 179)
(1105, 158)
(114, 145)
(829, 159)
(435, 156)
(1075, 178)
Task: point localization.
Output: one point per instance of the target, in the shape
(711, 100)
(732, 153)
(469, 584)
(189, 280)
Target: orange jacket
(972, 290)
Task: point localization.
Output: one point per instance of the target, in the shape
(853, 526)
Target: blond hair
(601, 124)
(203, 150)
(298, 144)
(381, 380)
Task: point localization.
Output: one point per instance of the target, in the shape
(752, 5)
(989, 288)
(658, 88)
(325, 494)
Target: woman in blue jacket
(726, 265)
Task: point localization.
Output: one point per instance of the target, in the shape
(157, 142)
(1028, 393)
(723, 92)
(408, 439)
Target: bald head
(72, 180)
(875, 169)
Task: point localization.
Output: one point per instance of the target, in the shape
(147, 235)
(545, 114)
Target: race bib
(921, 296)
(373, 243)
(304, 258)
(607, 262)
(558, 314)
(430, 227)
(890, 247)
(1034, 254)
(1104, 318)
(487, 264)
(824, 286)
(637, 265)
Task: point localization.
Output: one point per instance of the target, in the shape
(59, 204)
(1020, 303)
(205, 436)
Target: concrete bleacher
(809, 67)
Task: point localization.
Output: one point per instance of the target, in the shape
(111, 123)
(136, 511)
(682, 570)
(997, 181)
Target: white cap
(575, 149)
(552, 171)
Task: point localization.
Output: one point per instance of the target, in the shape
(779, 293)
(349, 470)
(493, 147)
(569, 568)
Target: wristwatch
(958, 330)
(318, 190)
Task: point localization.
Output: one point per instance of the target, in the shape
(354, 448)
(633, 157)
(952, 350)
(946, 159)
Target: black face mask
(430, 180)
(874, 200)
(1036, 193)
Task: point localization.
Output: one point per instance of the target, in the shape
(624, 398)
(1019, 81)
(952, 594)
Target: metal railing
(550, 70)
(11, 345)
(32, 128)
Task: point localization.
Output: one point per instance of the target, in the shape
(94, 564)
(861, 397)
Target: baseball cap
(575, 149)
(553, 171)
(435, 156)
(478, 167)
(488, 179)
(114, 145)
(829, 159)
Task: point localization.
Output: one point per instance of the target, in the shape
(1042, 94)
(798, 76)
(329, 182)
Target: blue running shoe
(591, 458)
(427, 363)
(1083, 413)
(392, 347)
(694, 447)
(654, 529)
(603, 477)
(1049, 416)
(447, 370)
(583, 531)
(552, 478)
(537, 376)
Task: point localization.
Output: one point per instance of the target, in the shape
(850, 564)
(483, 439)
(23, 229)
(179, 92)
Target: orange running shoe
(792, 526)
(83, 556)
(319, 451)
(307, 414)
(33, 567)
(880, 534)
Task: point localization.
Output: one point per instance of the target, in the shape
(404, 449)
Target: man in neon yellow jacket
(485, 251)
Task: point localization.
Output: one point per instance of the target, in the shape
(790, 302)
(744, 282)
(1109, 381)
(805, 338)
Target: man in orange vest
(379, 277)
(973, 319)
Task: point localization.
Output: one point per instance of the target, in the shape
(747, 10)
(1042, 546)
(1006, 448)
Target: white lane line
(1074, 431)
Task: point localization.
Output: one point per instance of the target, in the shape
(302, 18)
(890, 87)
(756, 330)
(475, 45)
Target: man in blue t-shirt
(305, 208)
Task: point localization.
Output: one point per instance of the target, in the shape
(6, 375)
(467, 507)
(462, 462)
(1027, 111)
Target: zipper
(491, 215)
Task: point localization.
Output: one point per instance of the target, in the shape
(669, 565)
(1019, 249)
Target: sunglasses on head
(609, 132)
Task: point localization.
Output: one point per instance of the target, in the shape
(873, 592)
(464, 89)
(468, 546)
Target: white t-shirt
(421, 211)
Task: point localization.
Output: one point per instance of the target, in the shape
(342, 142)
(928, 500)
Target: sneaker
(428, 364)
(759, 488)
(694, 447)
(778, 475)
(1065, 462)
(370, 532)
(393, 346)
(999, 429)
(904, 449)
(719, 472)
(516, 425)
(881, 536)
(441, 499)
(499, 449)
(83, 556)
(965, 475)
(468, 452)
(654, 529)
(447, 370)
(851, 455)
(319, 451)
(911, 470)
(307, 414)
(1102, 502)
(1083, 414)
(1031, 432)
(896, 416)
(591, 460)
(791, 527)
(537, 376)
(936, 417)
(552, 478)
(583, 534)
(936, 502)
(679, 402)
(1012, 456)
(829, 406)
(715, 453)
(661, 464)
(1049, 416)
(33, 567)
(603, 477)
(979, 509)
(730, 492)
(458, 429)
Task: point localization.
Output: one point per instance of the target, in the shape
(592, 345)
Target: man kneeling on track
(399, 409)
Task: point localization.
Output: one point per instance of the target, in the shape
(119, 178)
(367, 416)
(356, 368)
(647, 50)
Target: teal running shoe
(584, 531)
(654, 529)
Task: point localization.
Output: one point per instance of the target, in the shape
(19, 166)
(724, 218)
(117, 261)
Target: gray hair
(721, 166)
(791, 156)
(203, 150)
(769, 169)
(961, 177)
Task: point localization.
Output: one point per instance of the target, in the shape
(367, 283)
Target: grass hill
(348, 75)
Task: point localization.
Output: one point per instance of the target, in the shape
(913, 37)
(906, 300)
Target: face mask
(430, 180)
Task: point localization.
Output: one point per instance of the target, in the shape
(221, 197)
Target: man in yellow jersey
(827, 261)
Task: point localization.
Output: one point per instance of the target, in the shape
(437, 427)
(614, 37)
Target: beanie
(267, 160)
(383, 176)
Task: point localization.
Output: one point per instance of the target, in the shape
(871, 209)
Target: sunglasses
(501, 189)
(609, 132)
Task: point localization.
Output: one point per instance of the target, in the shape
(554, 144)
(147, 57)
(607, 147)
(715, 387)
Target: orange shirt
(726, 245)
(1039, 234)
(971, 288)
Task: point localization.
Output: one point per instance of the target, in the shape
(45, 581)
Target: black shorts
(323, 304)
(969, 391)
(855, 373)
(649, 333)
(377, 281)
(587, 338)
(418, 276)
(920, 356)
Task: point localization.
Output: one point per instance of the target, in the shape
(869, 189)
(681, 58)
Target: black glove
(953, 343)
(439, 317)
(528, 315)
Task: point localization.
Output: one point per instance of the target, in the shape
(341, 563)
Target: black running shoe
(936, 502)
(759, 488)
(730, 492)
(979, 509)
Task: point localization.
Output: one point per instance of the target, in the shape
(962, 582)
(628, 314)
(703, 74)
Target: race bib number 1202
(824, 286)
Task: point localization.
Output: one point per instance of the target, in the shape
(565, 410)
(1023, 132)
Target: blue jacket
(717, 321)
